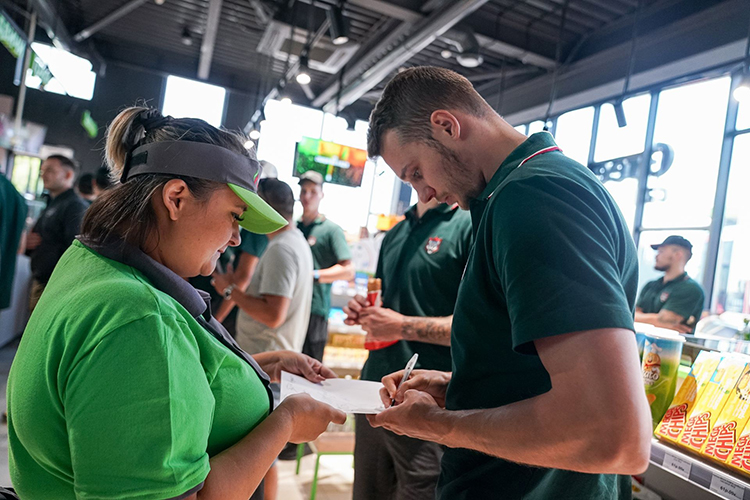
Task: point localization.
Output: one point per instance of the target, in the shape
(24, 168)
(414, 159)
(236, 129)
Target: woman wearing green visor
(123, 385)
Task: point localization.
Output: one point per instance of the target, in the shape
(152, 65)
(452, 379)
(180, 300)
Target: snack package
(711, 402)
(660, 365)
(374, 297)
(682, 406)
(732, 420)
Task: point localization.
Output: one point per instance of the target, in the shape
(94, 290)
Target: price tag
(727, 488)
(677, 465)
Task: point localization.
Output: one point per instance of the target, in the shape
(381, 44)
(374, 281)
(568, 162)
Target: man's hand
(381, 323)
(33, 240)
(418, 416)
(274, 362)
(354, 308)
(433, 382)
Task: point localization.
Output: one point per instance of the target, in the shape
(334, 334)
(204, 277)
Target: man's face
(310, 195)
(55, 176)
(433, 170)
(668, 256)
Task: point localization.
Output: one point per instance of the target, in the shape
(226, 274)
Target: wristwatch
(316, 275)
(228, 291)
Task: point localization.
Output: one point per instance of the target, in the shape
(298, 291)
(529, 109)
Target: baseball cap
(213, 163)
(312, 176)
(675, 240)
(268, 170)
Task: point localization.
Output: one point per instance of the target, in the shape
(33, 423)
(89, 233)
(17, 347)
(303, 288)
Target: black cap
(278, 195)
(675, 240)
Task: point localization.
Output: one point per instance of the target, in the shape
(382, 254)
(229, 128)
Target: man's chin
(661, 269)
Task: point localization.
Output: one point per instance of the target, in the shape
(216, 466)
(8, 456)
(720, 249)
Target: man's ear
(445, 124)
(173, 196)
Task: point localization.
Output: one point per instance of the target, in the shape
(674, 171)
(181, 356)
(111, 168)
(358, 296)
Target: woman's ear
(173, 195)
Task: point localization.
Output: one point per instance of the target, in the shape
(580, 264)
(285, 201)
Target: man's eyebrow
(403, 173)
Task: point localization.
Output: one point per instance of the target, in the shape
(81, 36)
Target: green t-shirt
(421, 262)
(117, 391)
(329, 247)
(252, 243)
(552, 255)
(683, 295)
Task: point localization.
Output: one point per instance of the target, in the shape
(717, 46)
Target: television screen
(338, 164)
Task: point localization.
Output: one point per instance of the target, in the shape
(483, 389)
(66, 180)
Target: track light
(249, 144)
(286, 101)
(338, 29)
(622, 122)
(254, 134)
(742, 92)
(303, 75)
(187, 37)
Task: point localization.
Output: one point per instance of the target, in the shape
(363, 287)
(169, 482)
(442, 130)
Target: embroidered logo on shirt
(664, 296)
(433, 245)
(312, 240)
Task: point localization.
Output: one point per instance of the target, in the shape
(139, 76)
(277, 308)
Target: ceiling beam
(434, 25)
(209, 39)
(108, 19)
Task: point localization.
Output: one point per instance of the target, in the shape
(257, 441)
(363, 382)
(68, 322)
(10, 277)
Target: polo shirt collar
(441, 209)
(681, 277)
(196, 302)
(533, 144)
(318, 220)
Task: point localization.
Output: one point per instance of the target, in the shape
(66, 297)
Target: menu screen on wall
(337, 163)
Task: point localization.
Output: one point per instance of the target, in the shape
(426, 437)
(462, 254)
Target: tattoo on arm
(429, 330)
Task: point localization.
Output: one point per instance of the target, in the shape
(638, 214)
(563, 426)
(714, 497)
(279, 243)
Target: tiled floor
(334, 476)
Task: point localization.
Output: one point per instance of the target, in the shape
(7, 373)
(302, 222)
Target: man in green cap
(675, 300)
(331, 259)
(545, 399)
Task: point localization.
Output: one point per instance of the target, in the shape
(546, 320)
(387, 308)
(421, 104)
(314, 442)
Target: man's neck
(309, 217)
(499, 140)
(54, 194)
(282, 230)
(423, 208)
(673, 273)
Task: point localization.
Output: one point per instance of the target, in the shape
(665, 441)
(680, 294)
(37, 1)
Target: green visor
(213, 163)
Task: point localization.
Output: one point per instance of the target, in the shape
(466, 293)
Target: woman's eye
(238, 217)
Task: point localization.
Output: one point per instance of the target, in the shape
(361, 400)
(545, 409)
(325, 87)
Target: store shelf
(699, 473)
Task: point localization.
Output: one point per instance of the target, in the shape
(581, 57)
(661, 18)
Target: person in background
(246, 256)
(85, 187)
(545, 399)
(124, 385)
(421, 262)
(675, 300)
(57, 225)
(331, 257)
(102, 181)
(13, 211)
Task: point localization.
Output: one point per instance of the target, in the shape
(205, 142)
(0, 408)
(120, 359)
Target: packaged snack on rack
(660, 365)
(732, 420)
(711, 402)
(674, 420)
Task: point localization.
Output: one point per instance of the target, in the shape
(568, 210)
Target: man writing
(331, 259)
(421, 261)
(675, 300)
(546, 397)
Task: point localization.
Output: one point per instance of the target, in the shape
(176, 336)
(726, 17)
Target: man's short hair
(64, 161)
(279, 195)
(103, 178)
(85, 184)
(412, 96)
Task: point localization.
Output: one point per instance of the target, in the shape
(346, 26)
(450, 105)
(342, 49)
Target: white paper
(726, 488)
(677, 465)
(350, 396)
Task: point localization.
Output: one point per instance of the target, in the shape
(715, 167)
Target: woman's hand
(293, 362)
(309, 418)
(433, 382)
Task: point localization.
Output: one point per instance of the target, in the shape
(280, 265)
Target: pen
(407, 374)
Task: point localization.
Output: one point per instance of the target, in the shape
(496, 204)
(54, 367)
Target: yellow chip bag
(711, 402)
(723, 437)
(683, 403)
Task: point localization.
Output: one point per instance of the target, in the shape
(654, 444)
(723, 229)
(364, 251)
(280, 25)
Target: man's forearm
(656, 320)
(429, 330)
(336, 272)
(256, 308)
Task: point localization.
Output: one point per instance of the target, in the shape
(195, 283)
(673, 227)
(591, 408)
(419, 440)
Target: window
(535, 127)
(743, 116)
(521, 128)
(192, 99)
(647, 255)
(573, 134)
(71, 74)
(732, 281)
(690, 120)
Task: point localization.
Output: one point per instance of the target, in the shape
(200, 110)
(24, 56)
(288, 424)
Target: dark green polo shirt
(683, 295)
(552, 255)
(421, 262)
(329, 247)
(252, 243)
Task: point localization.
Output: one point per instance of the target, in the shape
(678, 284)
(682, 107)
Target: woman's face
(192, 235)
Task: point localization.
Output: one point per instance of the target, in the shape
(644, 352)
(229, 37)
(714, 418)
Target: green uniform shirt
(683, 295)
(552, 255)
(252, 243)
(118, 391)
(421, 262)
(329, 247)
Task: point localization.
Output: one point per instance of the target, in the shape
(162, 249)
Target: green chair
(328, 443)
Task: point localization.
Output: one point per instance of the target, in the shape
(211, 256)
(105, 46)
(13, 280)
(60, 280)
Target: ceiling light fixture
(338, 30)
(303, 75)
